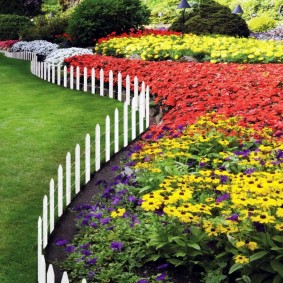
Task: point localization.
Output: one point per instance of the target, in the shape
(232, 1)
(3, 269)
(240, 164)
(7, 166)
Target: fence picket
(101, 82)
(48, 72)
(119, 86)
(68, 178)
(87, 158)
(41, 69)
(39, 246)
(65, 278)
(136, 87)
(60, 190)
(97, 147)
(147, 106)
(50, 274)
(110, 84)
(78, 78)
(53, 73)
(71, 77)
(125, 114)
(45, 221)
(51, 205)
(58, 74)
(107, 138)
(42, 270)
(77, 169)
(93, 81)
(128, 89)
(134, 118)
(116, 131)
(65, 76)
(85, 79)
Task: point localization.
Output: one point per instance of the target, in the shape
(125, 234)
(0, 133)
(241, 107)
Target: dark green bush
(211, 18)
(93, 19)
(46, 28)
(11, 26)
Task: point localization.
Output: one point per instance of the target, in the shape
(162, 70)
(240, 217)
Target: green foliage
(93, 19)
(261, 23)
(11, 26)
(46, 27)
(211, 18)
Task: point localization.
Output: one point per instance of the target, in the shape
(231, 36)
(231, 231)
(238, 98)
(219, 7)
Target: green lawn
(39, 123)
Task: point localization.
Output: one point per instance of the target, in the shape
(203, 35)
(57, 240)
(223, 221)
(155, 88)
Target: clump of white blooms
(58, 55)
(39, 47)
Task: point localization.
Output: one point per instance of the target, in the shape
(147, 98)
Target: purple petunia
(222, 198)
(105, 221)
(233, 217)
(86, 252)
(70, 249)
(91, 261)
(61, 242)
(142, 281)
(116, 246)
(162, 266)
(161, 277)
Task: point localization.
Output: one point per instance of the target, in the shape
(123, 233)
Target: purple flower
(202, 164)
(116, 201)
(233, 217)
(161, 277)
(132, 199)
(70, 249)
(223, 179)
(142, 281)
(84, 246)
(116, 246)
(105, 221)
(163, 266)
(222, 198)
(93, 225)
(86, 252)
(115, 168)
(91, 261)
(98, 215)
(91, 274)
(61, 242)
(160, 136)
(250, 171)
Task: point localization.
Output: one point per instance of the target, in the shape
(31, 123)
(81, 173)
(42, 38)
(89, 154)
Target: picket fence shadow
(68, 184)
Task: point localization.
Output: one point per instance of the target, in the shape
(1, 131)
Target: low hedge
(11, 26)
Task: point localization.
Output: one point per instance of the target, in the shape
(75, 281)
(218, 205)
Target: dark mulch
(65, 228)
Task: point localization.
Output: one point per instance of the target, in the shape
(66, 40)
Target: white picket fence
(69, 177)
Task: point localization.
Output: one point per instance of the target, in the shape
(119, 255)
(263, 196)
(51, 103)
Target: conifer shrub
(211, 18)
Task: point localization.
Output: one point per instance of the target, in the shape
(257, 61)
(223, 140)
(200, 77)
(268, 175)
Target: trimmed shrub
(11, 26)
(93, 19)
(46, 28)
(261, 23)
(212, 18)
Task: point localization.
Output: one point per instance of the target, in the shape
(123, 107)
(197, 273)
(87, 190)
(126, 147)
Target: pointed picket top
(84, 281)
(65, 278)
(50, 274)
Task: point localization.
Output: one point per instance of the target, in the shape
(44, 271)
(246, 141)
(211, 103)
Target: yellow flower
(118, 213)
(241, 259)
(279, 227)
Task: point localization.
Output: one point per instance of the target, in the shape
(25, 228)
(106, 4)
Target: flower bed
(209, 200)
(39, 47)
(186, 91)
(6, 44)
(58, 55)
(205, 48)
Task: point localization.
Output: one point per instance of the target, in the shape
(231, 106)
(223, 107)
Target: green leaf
(277, 266)
(277, 239)
(153, 257)
(235, 267)
(277, 279)
(179, 242)
(221, 255)
(176, 262)
(180, 254)
(258, 255)
(144, 189)
(194, 246)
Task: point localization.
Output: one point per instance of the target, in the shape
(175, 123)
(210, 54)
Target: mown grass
(39, 123)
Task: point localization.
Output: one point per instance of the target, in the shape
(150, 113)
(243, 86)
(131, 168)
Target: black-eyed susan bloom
(241, 259)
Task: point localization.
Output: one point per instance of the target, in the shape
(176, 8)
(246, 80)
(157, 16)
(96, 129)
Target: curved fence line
(133, 121)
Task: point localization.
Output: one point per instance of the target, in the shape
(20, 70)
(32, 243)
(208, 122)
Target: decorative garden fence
(135, 112)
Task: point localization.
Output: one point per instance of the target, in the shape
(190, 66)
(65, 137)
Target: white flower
(58, 55)
(39, 47)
